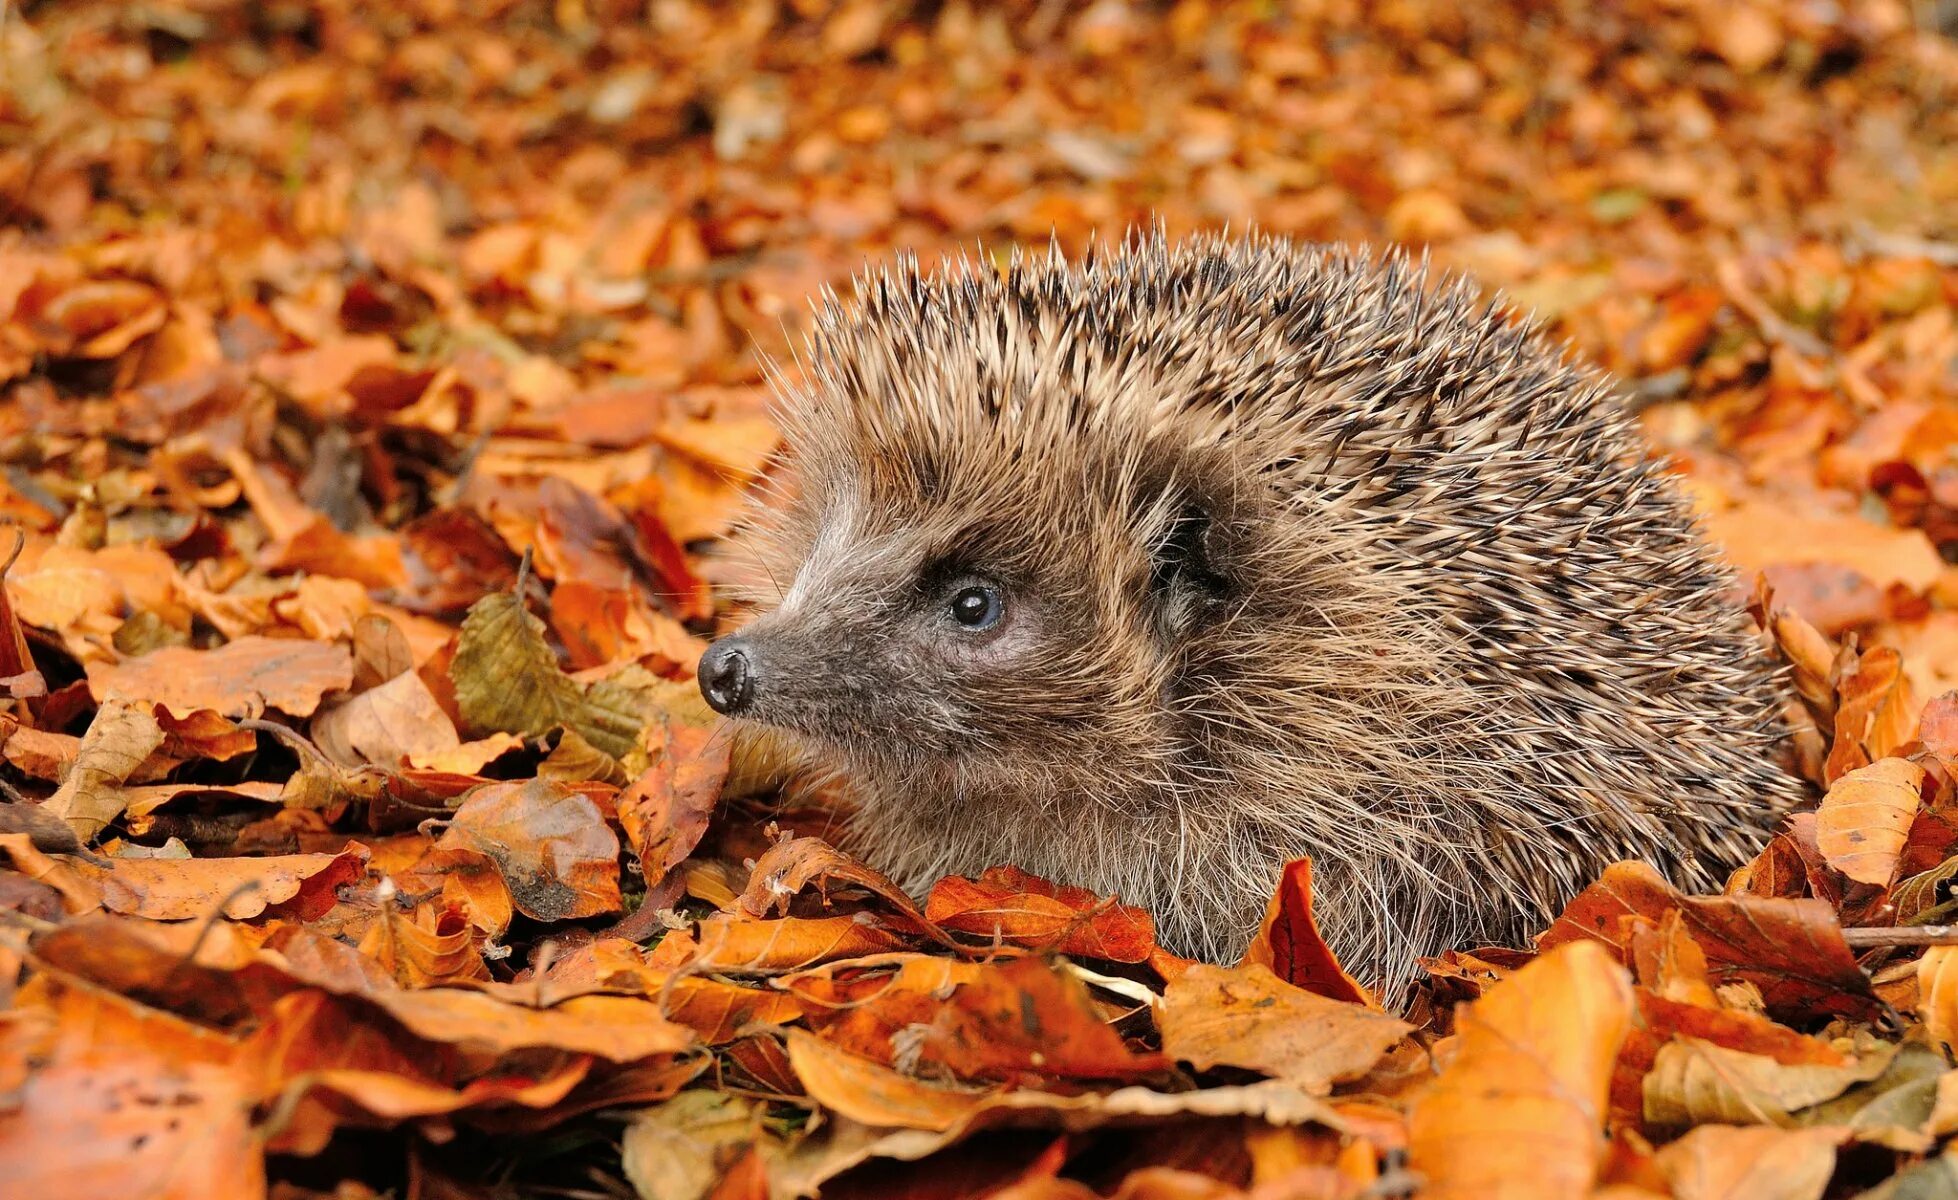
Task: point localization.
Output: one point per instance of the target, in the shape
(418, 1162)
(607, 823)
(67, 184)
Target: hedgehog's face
(925, 626)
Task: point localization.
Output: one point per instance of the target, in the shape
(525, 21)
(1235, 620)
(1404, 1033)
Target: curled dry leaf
(1865, 819)
(1693, 1082)
(1011, 906)
(793, 864)
(556, 853)
(1792, 950)
(1519, 1108)
(121, 737)
(434, 945)
(1289, 941)
(1248, 1017)
(1876, 714)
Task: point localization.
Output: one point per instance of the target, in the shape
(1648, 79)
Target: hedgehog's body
(1151, 574)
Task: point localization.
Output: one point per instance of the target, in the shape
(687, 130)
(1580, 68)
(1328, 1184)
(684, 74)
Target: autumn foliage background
(375, 379)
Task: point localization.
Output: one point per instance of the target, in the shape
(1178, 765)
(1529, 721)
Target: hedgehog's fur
(1304, 554)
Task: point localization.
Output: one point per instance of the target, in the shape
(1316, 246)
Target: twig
(1904, 935)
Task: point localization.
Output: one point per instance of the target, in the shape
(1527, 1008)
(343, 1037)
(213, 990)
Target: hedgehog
(1151, 573)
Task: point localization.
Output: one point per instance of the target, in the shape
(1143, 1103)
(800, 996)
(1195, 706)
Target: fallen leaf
(552, 846)
(1289, 942)
(386, 725)
(242, 888)
(739, 945)
(241, 678)
(1694, 1082)
(1009, 905)
(1519, 1109)
(1865, 819)
(664, 812)
(1247, 1017)
(1024, 1021)
(1792, 950)
(122, 1100)
(1715, 1162)
(791, 865)
(684, 1148)
(121, 737)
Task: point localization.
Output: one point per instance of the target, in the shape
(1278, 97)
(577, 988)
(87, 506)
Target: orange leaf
(665, 811)
(1024, 1021)
(1865, 819)
(736, 944)
(239, 679)
(873, 1094)
(1007, 904)
(553, 847)
(1714, 1162)
(1792, 950)
(792, 865)
(119, 1100)
(1519, 1110)
(1247, 1017)
(1290, 944)
(163, 889)
(1937, 993)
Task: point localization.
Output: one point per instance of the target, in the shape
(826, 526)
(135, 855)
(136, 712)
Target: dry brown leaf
(1290, 944)
(1008, 905)
(1026, 1021)
(386, 725)
(242, 888)
(1248, 1017)
(1792, 950)
(242, 678)
(552, 846)
(1865, 819)
(122, 736)
(665, 811)
(1694, 1082)
(1715, 1162)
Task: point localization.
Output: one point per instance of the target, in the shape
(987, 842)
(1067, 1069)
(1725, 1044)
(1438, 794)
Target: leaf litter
(378, 383)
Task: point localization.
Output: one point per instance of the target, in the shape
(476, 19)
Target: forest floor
(341, 854)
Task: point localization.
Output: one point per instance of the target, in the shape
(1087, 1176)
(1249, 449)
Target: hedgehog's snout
(727, 676)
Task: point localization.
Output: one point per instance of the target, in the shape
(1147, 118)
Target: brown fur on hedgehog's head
(996, 607)
(1151, 573)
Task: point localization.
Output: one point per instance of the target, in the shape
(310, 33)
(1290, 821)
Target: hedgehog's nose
(727, 679)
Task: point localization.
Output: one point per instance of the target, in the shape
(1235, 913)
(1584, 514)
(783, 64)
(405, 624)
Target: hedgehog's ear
(1186, 568)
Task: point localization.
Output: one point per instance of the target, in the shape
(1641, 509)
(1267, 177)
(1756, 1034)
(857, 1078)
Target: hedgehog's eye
(977, 606)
